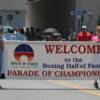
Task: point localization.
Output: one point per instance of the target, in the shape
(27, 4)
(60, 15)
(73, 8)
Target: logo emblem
(24, 50)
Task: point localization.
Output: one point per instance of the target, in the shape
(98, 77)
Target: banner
(52, 60)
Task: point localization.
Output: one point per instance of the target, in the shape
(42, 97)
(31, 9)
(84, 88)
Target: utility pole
(81, 16)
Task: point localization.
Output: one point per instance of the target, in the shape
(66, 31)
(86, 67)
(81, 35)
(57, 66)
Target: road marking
(76, 86)
(82, 87)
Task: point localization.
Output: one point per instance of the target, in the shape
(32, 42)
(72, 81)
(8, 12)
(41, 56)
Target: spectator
(84, 35)
(16, 30)
(72, 34)
(38, 34)
(32, 33)
(27, 33)
(57, 37)
(22, 31)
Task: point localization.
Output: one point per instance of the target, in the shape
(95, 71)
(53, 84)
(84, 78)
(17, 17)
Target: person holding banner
(96, 39)
(1, 53)
(87, 36)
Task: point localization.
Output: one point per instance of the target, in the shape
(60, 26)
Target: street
(49, 50)
(48, 90)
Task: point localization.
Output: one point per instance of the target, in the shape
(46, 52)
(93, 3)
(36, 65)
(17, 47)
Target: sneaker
(96, 85)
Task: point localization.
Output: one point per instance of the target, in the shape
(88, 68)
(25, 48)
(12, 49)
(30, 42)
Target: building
(57, 13)
(12, 12)
(93, 12)
(49, 13)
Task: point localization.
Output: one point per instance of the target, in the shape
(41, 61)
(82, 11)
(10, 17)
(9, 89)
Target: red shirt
(84, 36)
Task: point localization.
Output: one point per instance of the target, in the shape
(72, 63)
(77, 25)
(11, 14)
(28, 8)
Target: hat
(84, 27)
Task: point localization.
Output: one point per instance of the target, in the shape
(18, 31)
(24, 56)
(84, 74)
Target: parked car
(12, 36)
(51, 34)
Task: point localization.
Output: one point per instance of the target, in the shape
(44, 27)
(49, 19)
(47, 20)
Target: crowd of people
(51, 34)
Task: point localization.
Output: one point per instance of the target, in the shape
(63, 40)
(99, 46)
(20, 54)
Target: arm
(1, 44)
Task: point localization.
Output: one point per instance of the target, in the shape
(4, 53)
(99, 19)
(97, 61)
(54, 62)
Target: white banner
(52, 60)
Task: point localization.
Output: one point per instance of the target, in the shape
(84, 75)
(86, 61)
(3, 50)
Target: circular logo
(24, 50)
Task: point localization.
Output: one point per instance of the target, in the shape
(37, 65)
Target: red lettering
(82, 49)
(59, 48)
(14, 73)
(74, 49)
(49, 48)
(98, 49)
(91, 49)
(65, 49)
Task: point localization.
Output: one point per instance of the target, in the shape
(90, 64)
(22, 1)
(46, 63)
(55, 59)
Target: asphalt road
(48, 90)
